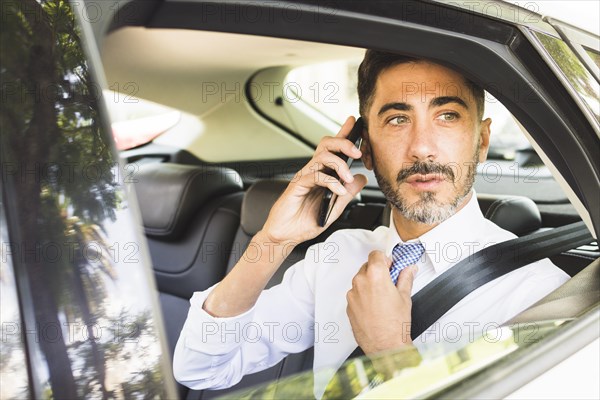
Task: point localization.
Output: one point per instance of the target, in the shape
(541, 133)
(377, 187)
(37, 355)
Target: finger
(357, 184)
(346, 127)
(319, 178)
(359, 277)
(406, 279)
(338, 145)
(326, 161)
(361, 271)
(342, 201)
(378, 268)
(378, 262)
(332, 161)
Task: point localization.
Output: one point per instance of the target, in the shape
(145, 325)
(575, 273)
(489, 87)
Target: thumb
(406, 279)
(355, 186)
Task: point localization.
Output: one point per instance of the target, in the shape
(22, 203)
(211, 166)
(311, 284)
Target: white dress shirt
(309, 306)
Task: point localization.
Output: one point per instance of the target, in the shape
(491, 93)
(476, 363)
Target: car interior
(206, 183)
(213, 108)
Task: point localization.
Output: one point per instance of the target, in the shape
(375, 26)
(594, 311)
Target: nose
(422, 144)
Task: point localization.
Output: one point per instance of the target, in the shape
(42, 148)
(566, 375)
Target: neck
(409, 230)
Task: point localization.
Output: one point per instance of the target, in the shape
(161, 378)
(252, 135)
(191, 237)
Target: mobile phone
(329, 197)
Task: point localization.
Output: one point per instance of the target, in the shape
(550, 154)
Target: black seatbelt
(445, 291)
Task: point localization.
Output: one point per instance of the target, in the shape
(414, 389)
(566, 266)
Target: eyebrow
(440, 101)
(394, 106)
(436, 102)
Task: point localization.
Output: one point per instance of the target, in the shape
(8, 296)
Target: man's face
(424, 140)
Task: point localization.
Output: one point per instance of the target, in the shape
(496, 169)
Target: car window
(137, 121)
(229, 129)
(13, 361)
(586, 87)
(513, 166)
(406, 373)
(330, 88)
(594, 55)
(88, 299)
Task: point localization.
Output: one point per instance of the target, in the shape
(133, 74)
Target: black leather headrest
(257, 203)
(169, 195)
(517, 214)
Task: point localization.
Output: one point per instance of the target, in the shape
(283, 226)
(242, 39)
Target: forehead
(411, 82)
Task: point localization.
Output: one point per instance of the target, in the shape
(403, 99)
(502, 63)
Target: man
(424, 136)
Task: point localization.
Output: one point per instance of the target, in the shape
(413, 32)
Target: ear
(365, 149)
(484, 138)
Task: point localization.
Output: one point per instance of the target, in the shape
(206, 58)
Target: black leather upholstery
(191, 215)
(199, 222)
(198, 259)
(170, 194)
(258, 200)
(261, 196)
(517, 214)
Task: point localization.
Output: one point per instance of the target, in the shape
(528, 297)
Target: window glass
(513, 166)
(13, 361)
(88, 299)
(595, 56)
(407, 373)
(331, 89)
(137, 121)
(578, 76)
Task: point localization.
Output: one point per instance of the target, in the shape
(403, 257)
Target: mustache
(424, 168)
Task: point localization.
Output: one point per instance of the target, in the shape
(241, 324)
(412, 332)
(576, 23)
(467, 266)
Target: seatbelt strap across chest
(445, 291)
(440, 295)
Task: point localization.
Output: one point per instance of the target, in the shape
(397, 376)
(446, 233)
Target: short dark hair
(375, 62)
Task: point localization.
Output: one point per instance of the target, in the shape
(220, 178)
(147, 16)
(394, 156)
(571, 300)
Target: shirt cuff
(213, 335)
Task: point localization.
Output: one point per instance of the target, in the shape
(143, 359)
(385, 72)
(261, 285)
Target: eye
(402, 119)
(449, 117)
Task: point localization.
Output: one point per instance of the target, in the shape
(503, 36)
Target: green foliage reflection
(57, 157)
(578, 76)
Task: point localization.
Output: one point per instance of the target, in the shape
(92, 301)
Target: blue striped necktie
(404, 255)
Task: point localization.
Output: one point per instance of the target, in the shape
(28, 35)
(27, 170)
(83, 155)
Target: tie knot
(404, 255)
(408, 251)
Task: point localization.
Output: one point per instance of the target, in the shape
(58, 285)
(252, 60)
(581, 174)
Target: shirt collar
(447, 242)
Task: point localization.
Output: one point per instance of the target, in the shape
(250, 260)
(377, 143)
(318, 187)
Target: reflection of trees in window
(574, 71)
(12, 358)
(594, 56)
(125, 348)
(85, 299)
(12, 350)
(57, 159)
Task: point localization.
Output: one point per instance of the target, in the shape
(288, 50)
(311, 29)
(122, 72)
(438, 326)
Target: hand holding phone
(329, 198)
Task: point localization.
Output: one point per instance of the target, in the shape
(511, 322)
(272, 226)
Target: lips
(425, 182)
(420, 178)
(425, 172)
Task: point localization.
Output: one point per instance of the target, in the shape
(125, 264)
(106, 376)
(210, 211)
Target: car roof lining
(155, 47)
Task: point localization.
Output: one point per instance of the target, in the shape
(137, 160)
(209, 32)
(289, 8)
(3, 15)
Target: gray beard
(427, 210)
